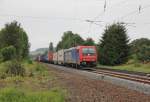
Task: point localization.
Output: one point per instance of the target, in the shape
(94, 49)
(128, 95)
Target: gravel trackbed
(82, 89)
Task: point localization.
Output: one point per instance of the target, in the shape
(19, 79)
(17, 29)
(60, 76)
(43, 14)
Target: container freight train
(75, 56)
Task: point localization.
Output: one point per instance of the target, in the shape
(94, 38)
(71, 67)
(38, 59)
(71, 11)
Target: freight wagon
(61, 57)
(43, 58)
(71, 57)
(55, 58)
(50, 56)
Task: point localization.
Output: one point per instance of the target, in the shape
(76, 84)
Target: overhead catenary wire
(94, 21)
(105, 4)
(139, 6)
(40, 17)
(132, 24)
(101, 14)
(134, 12)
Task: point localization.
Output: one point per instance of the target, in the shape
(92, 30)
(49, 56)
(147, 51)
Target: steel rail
(142, 79)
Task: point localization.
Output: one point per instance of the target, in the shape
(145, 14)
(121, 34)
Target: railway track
(133, 82)
(132, 77)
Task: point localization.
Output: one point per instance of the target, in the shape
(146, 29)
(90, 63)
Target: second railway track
(132, 77)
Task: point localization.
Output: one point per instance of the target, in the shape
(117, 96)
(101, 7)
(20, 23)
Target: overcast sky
(46, 20)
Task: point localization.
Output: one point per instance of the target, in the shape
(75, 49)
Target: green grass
(38, 85)
(17, 95)
(138, 67)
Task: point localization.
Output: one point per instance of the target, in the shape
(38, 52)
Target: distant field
(38, 85)
(131, 67)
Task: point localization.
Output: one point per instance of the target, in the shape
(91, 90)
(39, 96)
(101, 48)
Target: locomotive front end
(88, 56)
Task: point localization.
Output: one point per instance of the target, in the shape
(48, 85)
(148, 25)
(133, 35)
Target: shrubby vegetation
(33, 87)
(140, 49)
(17, 95)
(15, 68)
(144, 54)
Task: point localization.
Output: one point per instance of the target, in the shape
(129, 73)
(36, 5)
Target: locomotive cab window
(88, 51)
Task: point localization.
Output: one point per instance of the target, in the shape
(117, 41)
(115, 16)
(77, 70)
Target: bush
(141, 48)
(135, 45)
(144, 54)
(30, 61)
(14, 68)
(8, 53)
(3, 75)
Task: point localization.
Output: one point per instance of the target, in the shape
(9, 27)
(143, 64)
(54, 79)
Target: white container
(61, 56)
(55, 58)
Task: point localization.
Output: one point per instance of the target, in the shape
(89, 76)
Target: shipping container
(50, 56)
(55, 58)
(71, 56)
(61, 56)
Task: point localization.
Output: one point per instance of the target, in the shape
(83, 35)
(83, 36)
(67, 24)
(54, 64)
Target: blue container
(71, 56)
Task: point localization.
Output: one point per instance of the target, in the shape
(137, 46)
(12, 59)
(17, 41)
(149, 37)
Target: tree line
(69, 39)
(114, 47)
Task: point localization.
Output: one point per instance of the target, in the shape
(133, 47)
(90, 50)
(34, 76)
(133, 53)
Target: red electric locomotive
(81, 56)
(87, 55)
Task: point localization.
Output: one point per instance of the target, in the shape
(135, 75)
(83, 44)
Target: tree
(51, 48)
(113, 46)
(140, 48)
(24, 49)
(69, 40)
(13, 35)
(144, 54)
(135, 45)
(89, 42)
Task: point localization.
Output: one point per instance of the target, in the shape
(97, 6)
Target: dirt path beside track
(82, 89)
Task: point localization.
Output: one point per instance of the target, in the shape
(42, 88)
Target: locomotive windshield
(90, 51)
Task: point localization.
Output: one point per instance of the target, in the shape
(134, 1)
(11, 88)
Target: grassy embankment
(38, 85)
(136, 67)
